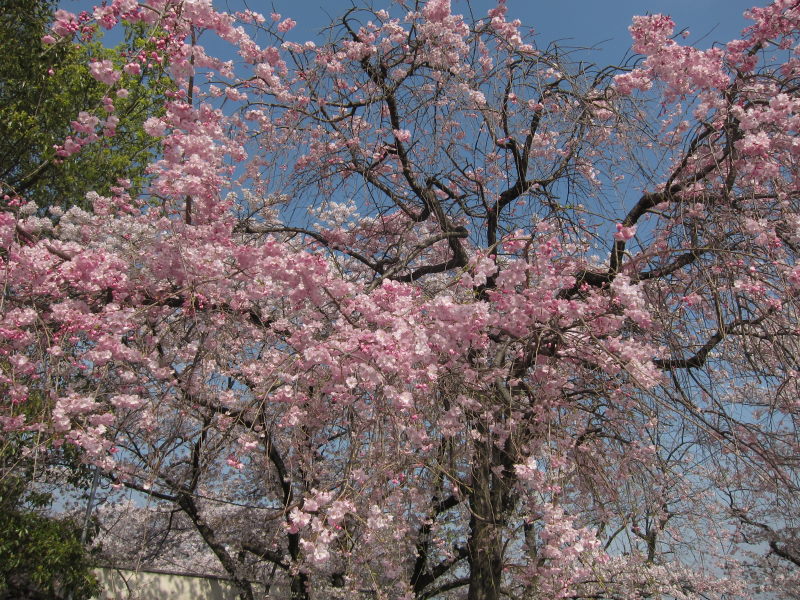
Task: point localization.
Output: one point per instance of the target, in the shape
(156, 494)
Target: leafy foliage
(44, 87)
(41, 557)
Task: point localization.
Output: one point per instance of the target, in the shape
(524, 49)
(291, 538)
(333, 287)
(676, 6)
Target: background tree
(44, 87)
(42, 554)
(42, 557)
(46, 91)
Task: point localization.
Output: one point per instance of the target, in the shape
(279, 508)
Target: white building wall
(122, 584)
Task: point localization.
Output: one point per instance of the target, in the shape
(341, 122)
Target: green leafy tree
(40, 557)
(43, 88)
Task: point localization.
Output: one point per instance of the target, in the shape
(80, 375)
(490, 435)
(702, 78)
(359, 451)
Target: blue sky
(576, 22)
(573, 22)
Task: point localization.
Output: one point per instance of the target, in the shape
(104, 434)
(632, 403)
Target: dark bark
(486, 558)
(187, 503)
(490, 501)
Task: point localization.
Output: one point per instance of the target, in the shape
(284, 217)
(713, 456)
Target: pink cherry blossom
(104, 72)
(363, 325)
(286, 25)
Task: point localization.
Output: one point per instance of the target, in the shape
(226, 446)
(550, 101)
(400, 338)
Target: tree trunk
(486, 560)
(189, 506)
(299, 585)
(488, 501)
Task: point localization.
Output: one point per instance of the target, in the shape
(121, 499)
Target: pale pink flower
(286, 25)
(104, 72)
(623, 233)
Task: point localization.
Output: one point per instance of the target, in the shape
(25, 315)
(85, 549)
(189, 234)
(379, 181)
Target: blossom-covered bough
(428, 311)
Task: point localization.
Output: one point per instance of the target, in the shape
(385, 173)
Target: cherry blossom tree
(429, 310)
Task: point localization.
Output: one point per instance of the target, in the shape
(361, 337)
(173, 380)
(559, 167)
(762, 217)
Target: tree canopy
(44, 88)
(428, 310)
(41, 558)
